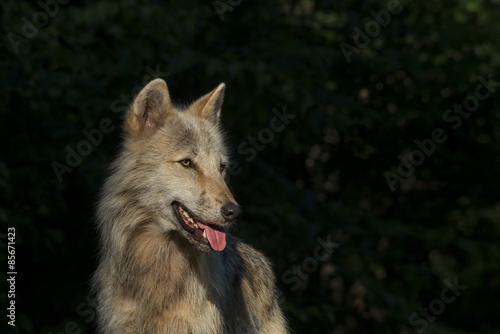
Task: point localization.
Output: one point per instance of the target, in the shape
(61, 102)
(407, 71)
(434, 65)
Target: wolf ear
(210, 105)
(149, 110)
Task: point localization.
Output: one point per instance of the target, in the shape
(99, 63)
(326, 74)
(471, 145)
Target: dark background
(321, 177)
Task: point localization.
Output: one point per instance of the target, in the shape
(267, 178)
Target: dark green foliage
(322, 176)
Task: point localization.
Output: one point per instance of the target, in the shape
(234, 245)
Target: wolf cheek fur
(167, 263)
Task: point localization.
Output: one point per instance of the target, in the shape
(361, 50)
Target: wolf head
(176, 160)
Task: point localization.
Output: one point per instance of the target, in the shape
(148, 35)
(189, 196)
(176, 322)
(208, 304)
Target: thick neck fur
(152, 269)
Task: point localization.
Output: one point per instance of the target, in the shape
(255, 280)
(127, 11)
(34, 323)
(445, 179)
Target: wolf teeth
(204, 234)
(189, 218)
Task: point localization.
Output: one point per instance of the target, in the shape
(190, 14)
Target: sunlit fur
(153, 277)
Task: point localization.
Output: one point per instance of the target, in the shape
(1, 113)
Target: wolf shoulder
(253, 283)
(250, 262)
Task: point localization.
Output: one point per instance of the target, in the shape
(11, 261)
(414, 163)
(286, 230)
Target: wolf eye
(222, 167)
(186, 162)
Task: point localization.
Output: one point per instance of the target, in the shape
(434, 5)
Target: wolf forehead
(185, 132)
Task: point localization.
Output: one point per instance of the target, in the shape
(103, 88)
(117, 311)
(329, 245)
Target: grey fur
(153, 276)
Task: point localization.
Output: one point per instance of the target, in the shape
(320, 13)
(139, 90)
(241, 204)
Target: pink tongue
(217, 239)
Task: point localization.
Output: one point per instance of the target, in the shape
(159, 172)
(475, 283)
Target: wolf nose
(230, 211)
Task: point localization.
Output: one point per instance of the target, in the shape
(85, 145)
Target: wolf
(167, 263)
